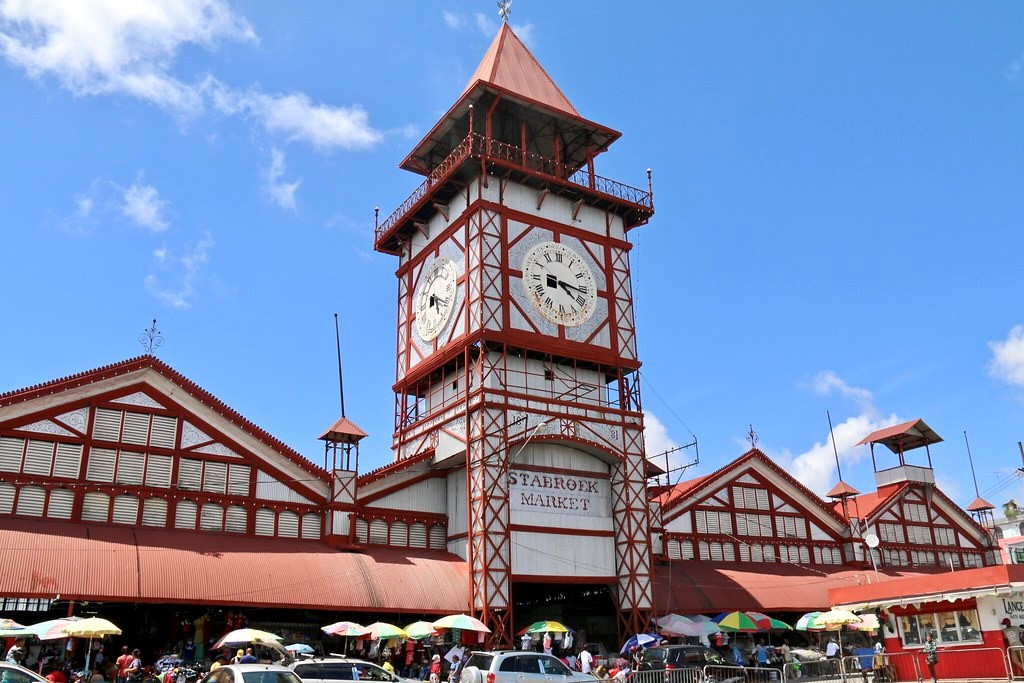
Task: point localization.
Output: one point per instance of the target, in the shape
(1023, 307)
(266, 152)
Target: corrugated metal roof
(688, 587)
(942, 585)
(510, 66)
(40, 558)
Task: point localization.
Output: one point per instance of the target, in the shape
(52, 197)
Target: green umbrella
(380, 630)
(463, 622)
(418, 630)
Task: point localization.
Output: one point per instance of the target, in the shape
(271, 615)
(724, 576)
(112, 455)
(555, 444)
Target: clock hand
(563, 285)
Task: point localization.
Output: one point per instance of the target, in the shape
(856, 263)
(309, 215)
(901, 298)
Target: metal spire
(752, 437)
(151, 339)
(504, 9)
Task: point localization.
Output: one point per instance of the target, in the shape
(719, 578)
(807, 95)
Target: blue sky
(838, 190)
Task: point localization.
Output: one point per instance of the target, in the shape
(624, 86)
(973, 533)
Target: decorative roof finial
(504, 9)
(752, 437)
(151, 339)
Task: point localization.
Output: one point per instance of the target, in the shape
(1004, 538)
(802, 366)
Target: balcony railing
(477, 146)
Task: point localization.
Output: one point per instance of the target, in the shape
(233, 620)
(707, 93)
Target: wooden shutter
(265, 519)
(311, 525)
(164, 431)
(96, 507)
(236, 519)
(126, 510)
(185, 515)
(39, 457)
(101, 465)
(30, 501)
(288, 524)
(61, 503)
(106, 424)
(68, 462)
(154, 512)
(11, 451)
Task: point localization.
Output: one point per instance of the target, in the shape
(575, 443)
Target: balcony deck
(635, 205)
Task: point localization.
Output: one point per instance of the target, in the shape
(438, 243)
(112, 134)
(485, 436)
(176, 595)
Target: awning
(690, 586)
(46, 559)
(945, 586)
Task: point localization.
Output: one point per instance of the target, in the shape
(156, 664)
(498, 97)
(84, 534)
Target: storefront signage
(559, 493)
(1014, 606)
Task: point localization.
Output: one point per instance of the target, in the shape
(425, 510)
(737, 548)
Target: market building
(519, 488)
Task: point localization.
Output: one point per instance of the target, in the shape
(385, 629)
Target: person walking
(135, 667)
(931, 655)
(122, 663)
(586, 660)
(435, 669)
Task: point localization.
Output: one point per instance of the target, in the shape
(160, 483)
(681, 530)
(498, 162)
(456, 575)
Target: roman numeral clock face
(559, 284)
(435, 298)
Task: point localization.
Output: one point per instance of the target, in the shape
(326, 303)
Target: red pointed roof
(842, 490)
(903, 437)
(509, 65)
(343, 431)
(980, 504)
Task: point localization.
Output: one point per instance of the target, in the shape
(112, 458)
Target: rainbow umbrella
(767, 623)
(806, 622)
(463, 622)
(345, 629)
(546, 627)
(868, 622)
(418, 630)
(735, 621)
(380, 630)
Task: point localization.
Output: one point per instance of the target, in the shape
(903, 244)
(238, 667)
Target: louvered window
(915, 512)
(716, 552)
(164, 431)
(106, 424)
(185, 515)
(756, 553)
(6, 499)
(919, 534)
(68, 461)
(265, 522)
(60, 504)
(30, 501)
(236, 519)
(686, 549)
(705, 552)
(805, 555)
(417, 535)
(126, 510)
(129, 468)
(215, 477)
(378, 532)
(39, 457)
(311, 525)
(837, 557)
(764, 523)
(744, 552)
(741, 524)
(211, 517)
(438, 537)
(136, 428)
(96, 507)
(399, 534)
(101, 464)
(762, 499)
(11, 451)
(672, 548)
(728, 552)
(944, 536)
(769, 553)
(158, 471)
(891, 533)
(712, 522)
(288, 524)
(190, 473)
(154, 512)
(238, 479)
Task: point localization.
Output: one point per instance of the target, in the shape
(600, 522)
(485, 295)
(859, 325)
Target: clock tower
(516, 368)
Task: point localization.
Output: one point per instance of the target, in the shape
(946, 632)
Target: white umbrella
(837, 618)
(244, 636)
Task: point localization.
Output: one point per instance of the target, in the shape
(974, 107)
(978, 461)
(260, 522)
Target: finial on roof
(504, 9)
(752, 437)
(151, 339)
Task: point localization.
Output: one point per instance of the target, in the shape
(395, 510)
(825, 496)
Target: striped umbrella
(767, 623)
(462, 622)
(345, 629)
(806, 622)
(380, 630)
(735, 621)
(418, 630)
(546, 627)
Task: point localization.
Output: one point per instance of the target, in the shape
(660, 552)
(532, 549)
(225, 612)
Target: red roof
(903, 437)
(343, 431)
(153, 363)
(865, 505)
(510, 66)
(979, 504)
(42, 558)
(923, 585)
(690, 586)
(842, 490)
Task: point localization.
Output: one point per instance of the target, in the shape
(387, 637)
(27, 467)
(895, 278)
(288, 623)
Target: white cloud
(115, 47)
(453, 20)
(184, 270)
(142, 205)
(280, 192)
(83, 206)
(1015, 69)
(525, 33)
(1007, 362)
(827, 381)
(112, 47)
(486, 24)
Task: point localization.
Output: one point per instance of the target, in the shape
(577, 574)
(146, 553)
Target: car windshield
(655, 654)
(270, 677)
(480, 660)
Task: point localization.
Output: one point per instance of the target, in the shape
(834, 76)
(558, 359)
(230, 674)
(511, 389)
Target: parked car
(331, 669)
(517, 666)
(680, 657)
(251, 673)
(12, 673)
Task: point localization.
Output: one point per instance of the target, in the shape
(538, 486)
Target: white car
(519, 666)
(12, 673)
(251, 673)
(334, 669)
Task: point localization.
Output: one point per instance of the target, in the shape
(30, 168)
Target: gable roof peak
(509, 65)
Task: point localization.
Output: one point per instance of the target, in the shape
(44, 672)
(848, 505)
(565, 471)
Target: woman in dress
(931, 655)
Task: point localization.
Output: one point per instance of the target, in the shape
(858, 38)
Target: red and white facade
(518, 453)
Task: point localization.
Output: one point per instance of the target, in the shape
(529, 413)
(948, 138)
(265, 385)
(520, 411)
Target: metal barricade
(815, 669)
(897, 667)
(857, 667)
(723, 673)
(683, 675)
(1015, 661)
(967, 663)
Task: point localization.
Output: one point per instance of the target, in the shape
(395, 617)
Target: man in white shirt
(832, 649)
(586, 660)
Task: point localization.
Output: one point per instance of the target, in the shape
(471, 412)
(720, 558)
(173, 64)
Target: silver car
(516, 666)
(251, 673)
(334, 669)
(12, 673)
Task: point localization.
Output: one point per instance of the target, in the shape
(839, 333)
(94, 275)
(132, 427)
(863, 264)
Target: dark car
(680, 657)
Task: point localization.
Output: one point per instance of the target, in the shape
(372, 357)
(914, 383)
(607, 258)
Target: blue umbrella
(640, 640)
(300, 648)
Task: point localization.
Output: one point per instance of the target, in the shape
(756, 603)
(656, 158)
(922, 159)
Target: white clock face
(435, 297)
(559, 284)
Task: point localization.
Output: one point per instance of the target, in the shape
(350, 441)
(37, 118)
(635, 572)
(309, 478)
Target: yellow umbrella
(93, 627)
